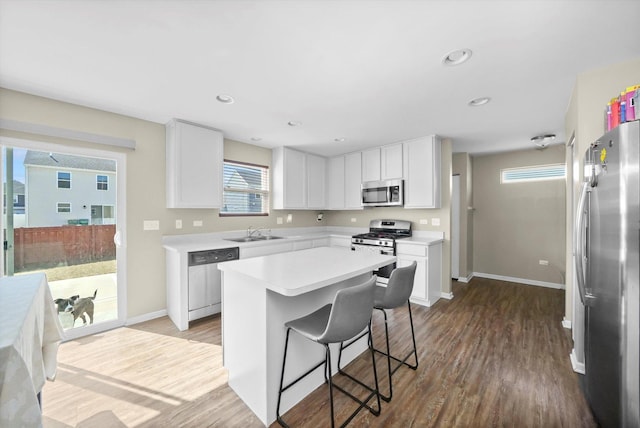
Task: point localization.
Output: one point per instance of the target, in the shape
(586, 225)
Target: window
(533, 173)
(64, 207)
(246, 189)
(102, 182)
(64, 180)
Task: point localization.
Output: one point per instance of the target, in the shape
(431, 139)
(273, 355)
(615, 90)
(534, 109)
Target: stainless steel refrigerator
(607, 263)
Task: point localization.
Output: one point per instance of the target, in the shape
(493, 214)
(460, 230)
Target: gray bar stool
(394, 295)
(348, 315)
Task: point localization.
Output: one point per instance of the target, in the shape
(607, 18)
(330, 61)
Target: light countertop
(299, 272)
(211, 241)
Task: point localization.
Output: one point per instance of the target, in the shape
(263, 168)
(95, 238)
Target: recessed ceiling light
(225, 99)
(339, 140)
(293, 123)
(256, 139)
(457, 57)
(479, 101)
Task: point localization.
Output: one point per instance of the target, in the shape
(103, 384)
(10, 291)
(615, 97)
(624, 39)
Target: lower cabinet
(428, 279)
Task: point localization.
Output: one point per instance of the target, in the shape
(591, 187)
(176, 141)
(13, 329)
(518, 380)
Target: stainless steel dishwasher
(205, 285)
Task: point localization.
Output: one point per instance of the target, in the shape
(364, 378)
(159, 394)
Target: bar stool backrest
(399, 287)
(350, 312)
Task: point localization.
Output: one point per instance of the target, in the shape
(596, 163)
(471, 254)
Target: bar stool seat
(344, 319)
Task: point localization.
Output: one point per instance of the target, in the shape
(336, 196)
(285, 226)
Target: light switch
(424, 221)
(178, 224)
(151, 225)
(289, 218)
(197, 223)
(435, 221)
(353, 219)
(279, 220)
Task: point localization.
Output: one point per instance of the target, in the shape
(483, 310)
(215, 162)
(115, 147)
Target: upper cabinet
(194, 159)
(353, 181)
(344, 182)
(371, 165)
(335, 183)
(316, 173)
(298, 179)
(422, 172)
(382, 163)
(391, 162)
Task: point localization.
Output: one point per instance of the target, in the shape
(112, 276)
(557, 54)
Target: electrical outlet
(544, 262)
(151, 225)
(178, 224)
(424, 221)
(197, 223)
(435, 221)
(353, 219)
(279, 220)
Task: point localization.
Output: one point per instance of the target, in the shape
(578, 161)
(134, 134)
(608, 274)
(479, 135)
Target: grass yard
(77, 271)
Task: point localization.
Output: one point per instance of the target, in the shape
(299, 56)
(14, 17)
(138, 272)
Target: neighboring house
(18, 197)
(239, 180)
(64, 189)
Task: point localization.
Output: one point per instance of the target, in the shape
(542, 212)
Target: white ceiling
(367, 71)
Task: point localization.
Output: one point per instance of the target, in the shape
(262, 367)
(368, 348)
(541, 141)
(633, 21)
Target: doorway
(64, 216)
(455, 227)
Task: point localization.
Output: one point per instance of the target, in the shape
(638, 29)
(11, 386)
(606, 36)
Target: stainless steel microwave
(387, 193)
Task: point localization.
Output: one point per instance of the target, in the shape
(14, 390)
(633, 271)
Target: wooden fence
(45, 247)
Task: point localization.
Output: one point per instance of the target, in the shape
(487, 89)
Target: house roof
(59, 160)
(18, 187)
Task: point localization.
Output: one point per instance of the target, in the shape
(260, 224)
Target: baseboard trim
(467, 279)
(566, 323)
(146, 317)
(447, 296)
(520, 280)
(577, 367)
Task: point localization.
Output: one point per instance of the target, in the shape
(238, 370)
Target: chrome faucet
(251, 231)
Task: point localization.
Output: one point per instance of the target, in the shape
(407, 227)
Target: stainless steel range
(381, 239)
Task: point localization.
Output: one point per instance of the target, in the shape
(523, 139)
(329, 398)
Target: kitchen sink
(253, 238)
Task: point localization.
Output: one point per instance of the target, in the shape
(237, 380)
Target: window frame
(265, 193)
(63, 212)
(98, 183)
(58, 180)
(533, 173)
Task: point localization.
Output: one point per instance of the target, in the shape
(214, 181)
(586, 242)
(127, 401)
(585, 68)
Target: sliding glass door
(62, 209)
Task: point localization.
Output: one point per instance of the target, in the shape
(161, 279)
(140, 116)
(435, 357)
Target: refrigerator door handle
(580, 257)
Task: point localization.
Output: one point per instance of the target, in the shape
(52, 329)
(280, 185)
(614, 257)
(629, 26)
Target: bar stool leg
(390, 357)
(280, 390)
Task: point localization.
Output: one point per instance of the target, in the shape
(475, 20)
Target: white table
(30, 333)
(259, 295)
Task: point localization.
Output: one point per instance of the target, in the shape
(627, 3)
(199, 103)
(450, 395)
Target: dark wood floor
(495, 355)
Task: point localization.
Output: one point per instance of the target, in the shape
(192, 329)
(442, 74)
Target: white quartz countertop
(211, 241)
(299, 272)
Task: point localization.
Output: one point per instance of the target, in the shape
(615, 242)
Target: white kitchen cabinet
(335, 195)
(340, 241)
(316, 172)
(382, 163)
(391, 162)
(422, 172)
(194, 159)
(298, 179)
(353, 181)
(371, 165)
(428, 278)
(289, 178)
(320, 242)
(263, 250)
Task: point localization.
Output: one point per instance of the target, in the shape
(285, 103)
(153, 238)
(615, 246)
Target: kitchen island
(259, 295)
